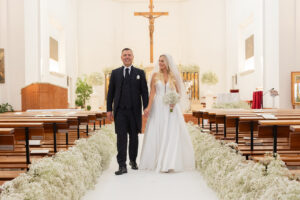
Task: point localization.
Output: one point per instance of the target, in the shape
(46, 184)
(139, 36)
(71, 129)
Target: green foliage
(79, 102)
(209, 78)
(83, 92)
(5, 107)
(88, 107)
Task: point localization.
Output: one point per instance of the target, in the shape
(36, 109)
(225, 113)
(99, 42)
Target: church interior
(239, 63)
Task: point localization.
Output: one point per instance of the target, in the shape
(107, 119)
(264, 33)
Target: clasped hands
(147, 110)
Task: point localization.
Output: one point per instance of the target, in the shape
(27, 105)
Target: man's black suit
(125, 97)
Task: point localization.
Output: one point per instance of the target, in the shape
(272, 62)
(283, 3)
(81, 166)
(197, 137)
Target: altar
(224, 98)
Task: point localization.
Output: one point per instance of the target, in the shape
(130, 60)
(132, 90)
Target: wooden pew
(220, 115)
(265, 132)
(26, 126)
(244, 122)
(51, 123)
(91, 115)
(7, 139)
(275, 124)
(251, 124)
(232, 119)
(295, 137)
(71, 121)
(82, 119)
(6, 175)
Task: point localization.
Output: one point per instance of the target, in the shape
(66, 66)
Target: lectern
(44, 96)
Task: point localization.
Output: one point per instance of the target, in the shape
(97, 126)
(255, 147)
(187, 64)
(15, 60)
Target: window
(53, 59)
(249, 53)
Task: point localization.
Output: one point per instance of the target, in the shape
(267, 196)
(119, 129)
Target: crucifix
(151, 17)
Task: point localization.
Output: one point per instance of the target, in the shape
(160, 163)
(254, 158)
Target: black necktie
(126, 73)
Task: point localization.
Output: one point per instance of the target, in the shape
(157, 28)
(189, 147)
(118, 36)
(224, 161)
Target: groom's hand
(110, 116)
(146, 112)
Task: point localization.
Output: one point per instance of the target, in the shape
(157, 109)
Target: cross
(151, 16)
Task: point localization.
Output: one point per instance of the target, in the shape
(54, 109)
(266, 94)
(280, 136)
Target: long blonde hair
(160, 75)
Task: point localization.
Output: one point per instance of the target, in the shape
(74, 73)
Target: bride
(167, 144)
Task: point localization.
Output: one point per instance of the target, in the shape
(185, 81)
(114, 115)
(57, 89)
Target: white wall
(24, 34)
(193, 33)
(280, 43)
(289, 25)
(12, 40)
(271, 51)
(97, 29)
(58, 19)
(61, 22)
(203, 39)
(244, 18)
(106, 27)
(3, 44)
(98, 25)
(202, 32)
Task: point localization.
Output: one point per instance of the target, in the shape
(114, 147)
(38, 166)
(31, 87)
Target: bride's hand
(172, 106)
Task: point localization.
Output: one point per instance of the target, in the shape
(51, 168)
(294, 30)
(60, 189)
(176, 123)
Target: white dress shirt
(124, 70)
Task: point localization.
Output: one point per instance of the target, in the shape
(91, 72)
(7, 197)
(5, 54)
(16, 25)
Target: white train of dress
(167, 144)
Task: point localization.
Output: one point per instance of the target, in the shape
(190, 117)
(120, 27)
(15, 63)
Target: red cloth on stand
(257, 99)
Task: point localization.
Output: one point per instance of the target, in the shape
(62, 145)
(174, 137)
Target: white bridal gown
(167, 144)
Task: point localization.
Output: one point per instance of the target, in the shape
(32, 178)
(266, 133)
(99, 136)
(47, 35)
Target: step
(13, 166)
(1, 183)
(8, 174)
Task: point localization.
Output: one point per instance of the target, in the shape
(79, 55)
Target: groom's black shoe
(133, 165)
(122, 170)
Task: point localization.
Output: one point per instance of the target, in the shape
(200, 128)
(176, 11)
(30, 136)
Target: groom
(127, 87)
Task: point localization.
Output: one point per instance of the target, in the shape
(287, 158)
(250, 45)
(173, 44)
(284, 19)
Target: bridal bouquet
(170, 98)
(273, 92)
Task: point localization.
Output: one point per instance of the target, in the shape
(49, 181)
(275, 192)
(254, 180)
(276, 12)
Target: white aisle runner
(146, 185)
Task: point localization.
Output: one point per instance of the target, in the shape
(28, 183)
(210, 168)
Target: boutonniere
(138, 77)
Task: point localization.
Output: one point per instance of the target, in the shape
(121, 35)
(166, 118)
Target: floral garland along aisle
(67, 174)
(234, 178)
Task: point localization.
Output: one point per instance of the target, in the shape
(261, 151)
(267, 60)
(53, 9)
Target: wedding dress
(167, 144)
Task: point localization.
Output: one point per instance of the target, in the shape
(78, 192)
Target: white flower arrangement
(209, 78)
(273, 92)
(188, 68)
(108, 70)
(171, 97)
(95, 79)
(68, 174)
(233, 177)
(241, 104)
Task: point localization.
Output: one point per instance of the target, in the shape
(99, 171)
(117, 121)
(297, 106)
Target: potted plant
(83, 92)
(5, 107)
